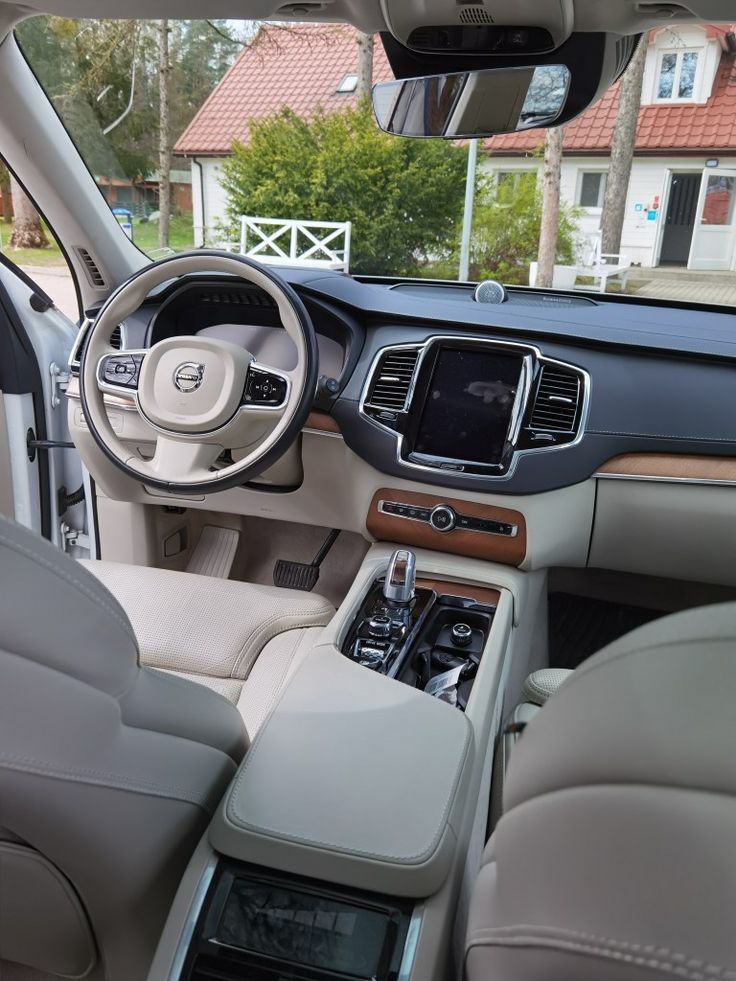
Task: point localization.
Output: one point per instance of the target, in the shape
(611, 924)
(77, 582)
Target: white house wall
(207, 222)
(640, 240)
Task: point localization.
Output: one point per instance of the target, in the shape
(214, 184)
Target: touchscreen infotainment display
(469, 405)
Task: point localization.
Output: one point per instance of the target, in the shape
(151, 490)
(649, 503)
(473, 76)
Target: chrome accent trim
(195, 908)
(702, 481)
(452, 517)
(402, 591)
(479, 531)
(270, 371)
(410, 947)
(530, 354)
(77, 345)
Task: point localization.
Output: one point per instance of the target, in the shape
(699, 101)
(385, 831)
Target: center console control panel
(444, 518)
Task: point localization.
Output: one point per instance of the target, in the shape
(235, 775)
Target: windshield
(261, 139)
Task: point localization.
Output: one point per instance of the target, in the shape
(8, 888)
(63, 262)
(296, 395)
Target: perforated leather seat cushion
(243, 641)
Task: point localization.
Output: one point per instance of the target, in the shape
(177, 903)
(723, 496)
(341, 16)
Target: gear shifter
(400, 584)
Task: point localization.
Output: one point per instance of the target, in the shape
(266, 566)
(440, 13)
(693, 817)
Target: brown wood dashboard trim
(670, 466)
(444, 587)
(475, 544)
(322, 421)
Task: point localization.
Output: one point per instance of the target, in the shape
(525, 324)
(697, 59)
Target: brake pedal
(303, 575)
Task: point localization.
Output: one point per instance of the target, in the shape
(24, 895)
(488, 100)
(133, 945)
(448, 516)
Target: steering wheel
(201, 396)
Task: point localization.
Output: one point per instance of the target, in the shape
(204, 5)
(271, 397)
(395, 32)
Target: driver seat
(242, 640)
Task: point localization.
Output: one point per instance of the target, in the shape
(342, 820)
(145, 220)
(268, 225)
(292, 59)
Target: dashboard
(527, 396)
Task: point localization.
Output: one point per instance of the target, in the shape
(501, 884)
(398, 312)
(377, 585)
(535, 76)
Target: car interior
(390, 636)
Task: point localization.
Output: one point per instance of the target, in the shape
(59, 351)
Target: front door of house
(679, 220)
(713, 237)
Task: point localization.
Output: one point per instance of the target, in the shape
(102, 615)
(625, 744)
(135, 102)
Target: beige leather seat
(109, 773)
(243, 641)
(615, 858)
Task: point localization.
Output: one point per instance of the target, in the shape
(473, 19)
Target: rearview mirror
(466, 105)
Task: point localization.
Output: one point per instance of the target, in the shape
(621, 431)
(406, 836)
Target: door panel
(713, 237)
(680, 218)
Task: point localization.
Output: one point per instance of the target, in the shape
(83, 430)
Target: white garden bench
(601, 266)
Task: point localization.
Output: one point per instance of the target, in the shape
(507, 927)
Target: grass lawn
(145, 237)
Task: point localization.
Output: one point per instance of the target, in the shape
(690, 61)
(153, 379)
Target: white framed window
(591, 189)
(511, 178)
(677, 75)
(348, 84)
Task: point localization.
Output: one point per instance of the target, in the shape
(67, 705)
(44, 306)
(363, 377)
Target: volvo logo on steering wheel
(188, 376)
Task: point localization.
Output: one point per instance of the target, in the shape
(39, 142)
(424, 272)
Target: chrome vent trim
(92, 270)
(391, 382)
(557, 402)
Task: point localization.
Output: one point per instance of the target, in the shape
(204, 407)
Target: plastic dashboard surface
(661, 377)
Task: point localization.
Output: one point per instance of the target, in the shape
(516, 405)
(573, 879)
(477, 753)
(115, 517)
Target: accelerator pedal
(215, 552)
(303, 575)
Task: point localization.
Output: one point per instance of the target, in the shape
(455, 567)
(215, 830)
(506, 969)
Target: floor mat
(579, 627)
(265, 541)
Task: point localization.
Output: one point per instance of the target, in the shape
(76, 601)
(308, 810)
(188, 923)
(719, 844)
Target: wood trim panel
(671, 466)
(475, 544)
(444, 587)
(322, 421)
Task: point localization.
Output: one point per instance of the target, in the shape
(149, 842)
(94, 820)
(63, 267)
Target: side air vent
(389, 389)
(116, 338)
(474, 15)
(558, 401)
(91, 268)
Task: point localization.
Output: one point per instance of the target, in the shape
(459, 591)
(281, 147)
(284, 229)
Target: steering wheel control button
(264, 388)
(461, 634)
(443, 518)
(121, 370)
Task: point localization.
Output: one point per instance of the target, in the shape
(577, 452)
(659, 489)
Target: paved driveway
(690, 292)
(58, 283)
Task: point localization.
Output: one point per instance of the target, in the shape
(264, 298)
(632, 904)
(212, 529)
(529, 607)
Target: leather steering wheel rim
(227, 365)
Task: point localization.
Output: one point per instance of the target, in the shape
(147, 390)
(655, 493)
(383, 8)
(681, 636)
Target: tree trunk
(164, 136)
(27, 232)
(550, 205)
(365, 66)
(622, 152)
(7, 203)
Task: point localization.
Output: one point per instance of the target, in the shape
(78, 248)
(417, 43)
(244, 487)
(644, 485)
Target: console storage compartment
(353, 779)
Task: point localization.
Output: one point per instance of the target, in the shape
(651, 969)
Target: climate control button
(443, 518)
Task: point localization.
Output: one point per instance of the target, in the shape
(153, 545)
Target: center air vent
(391, 382)
(558, 401)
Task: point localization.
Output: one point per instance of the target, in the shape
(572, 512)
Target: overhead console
(471, 406)
(474, 27)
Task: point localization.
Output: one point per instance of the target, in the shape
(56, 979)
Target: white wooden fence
(318, 244)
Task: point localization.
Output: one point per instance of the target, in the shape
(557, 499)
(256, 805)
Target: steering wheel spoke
(179, 460)
(266, 387)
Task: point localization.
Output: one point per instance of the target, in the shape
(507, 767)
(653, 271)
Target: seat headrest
(56, 613)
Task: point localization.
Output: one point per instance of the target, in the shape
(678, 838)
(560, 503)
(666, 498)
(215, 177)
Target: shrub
(404, 197)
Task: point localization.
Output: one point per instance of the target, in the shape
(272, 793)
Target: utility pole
(164, 135)
(468, 212)
(550, 205)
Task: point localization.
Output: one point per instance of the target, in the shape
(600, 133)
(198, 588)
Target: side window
(591, 188)
(676, 75)
(27, 242)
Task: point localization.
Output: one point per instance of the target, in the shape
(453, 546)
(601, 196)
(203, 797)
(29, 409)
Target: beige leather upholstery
(243, 641)
(616, 855)
(109, 772)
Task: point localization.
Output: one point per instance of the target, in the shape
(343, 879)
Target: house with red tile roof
(304, 67)
(681, 205)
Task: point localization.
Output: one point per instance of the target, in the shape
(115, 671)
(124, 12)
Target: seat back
(109, 772)
(615, 858)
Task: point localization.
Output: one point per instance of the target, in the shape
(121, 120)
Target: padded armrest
(355, 779)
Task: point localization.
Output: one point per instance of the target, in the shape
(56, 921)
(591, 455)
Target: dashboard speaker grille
(475, 15)
(392, 379)
(557, 401)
